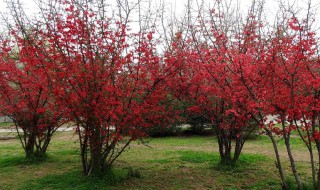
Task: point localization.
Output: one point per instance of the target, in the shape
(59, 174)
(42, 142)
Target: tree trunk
(96, 162)
(318, 174)
(316, 182)
(228, 157)
(29, 147)
(238, 148)
(278, 161)
(286, 136)
(224, 149)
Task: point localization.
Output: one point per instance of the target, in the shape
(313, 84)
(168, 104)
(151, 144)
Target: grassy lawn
(166, 163)
(6, 124)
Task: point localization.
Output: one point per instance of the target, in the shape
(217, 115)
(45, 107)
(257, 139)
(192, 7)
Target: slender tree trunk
(278, 161)
(318, 150)
(316, 182)
(318, 173)
(221, 148)
(308, 143)
(224, 149)
(237, 149)
(83, 150)
(286, 136)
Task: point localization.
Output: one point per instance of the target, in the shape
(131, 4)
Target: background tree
(110, 81)
(213, 59)
(292, 74)
(27, 90)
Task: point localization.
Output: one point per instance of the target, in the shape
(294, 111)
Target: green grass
(183, 141)
(6, 124)
(75, 180)
(214, 158)
(166, 163)
(294, 141)
(12, 161)
(198, 157)
(305, 186)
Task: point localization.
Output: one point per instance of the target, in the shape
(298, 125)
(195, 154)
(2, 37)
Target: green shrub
(173, 130)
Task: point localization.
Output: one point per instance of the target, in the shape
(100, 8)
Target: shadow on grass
(56, 156)
(12, 161)
(21, 160)
(305, 185)
(75, 180)
(245, 163)
(245, 160)
(198, 157)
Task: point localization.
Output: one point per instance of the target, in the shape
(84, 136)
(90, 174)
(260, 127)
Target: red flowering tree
(214, 73)
(108, 79)
(292, 72)
(26, 90)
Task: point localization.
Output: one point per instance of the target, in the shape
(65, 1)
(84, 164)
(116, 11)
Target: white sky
(271, 6)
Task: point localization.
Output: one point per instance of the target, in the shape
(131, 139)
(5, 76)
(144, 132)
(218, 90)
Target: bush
(198, 123)
(157, 131)
(190, 131)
